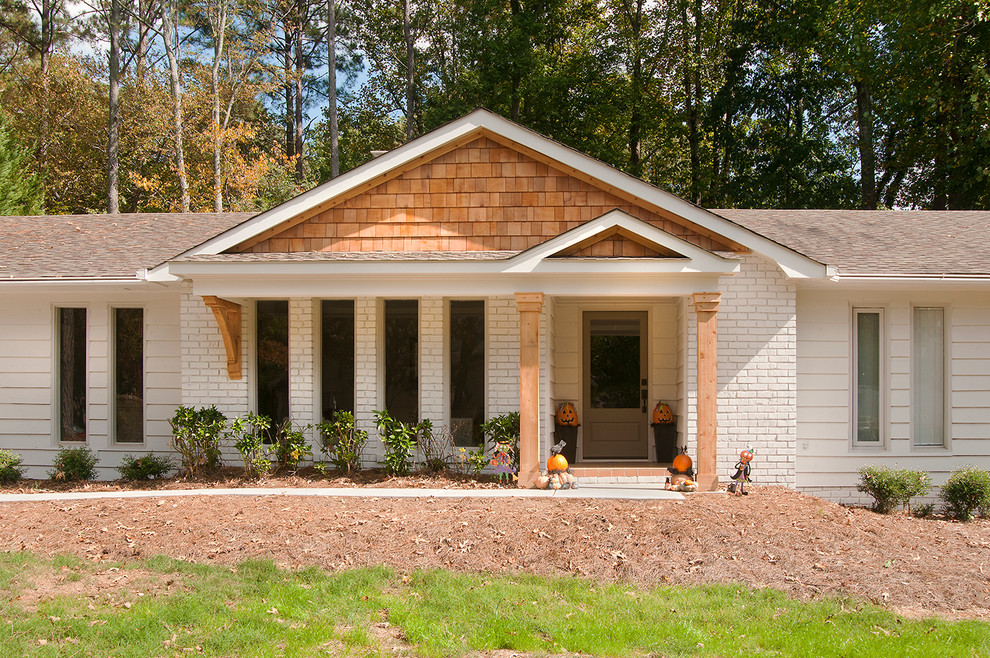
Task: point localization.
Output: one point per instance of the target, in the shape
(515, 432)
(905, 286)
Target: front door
(615, 363)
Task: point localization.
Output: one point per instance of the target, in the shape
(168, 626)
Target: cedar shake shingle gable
(101, 246)
(876, 242)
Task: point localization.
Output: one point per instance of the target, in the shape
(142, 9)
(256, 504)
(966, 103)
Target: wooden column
(530, 305)
(706, 308)
(228, 317)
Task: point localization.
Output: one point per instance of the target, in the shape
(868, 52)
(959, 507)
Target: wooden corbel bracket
(228, 315)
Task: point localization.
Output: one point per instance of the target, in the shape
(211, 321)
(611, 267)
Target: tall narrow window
(868, 347)
(928, 377)
(467, 371)
(72, 373)
(273, 359)
(128, 359)
(402, 359)
(337, 372)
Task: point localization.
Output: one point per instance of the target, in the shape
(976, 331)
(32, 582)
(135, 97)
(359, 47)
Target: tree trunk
(300, 70)
(290, 138)
(410, 71)
(691, 112)
(219, 21)
(635, 19)
(332, 87)
(172, 52)
(113, 138)
(867, 159)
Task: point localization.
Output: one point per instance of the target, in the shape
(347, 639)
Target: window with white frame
(128, 377)
(868, 359)
(71, 330)
(337, 356)
(928, 376)
(466, 381)
(401, 343)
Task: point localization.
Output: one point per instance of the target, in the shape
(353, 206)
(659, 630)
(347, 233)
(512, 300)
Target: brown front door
(615, 363)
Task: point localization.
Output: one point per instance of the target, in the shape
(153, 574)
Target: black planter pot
(665, 441)
(568, 434)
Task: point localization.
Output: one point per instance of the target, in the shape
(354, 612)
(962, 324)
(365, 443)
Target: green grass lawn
(167, 607)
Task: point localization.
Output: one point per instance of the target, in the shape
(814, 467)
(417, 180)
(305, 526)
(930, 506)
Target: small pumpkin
(746, 456)
(557, 463)
(682, 463)
(662, 414)
(567, 415)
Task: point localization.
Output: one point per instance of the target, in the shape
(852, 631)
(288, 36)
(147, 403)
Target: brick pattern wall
(432, 397)
(480, 196)
(366, 375)
(503, 356)
(757, 379)
(302, 361)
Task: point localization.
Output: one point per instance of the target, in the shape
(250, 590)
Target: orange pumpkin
(557, 463)
(662, 414)
(682, 463)
(567, 415)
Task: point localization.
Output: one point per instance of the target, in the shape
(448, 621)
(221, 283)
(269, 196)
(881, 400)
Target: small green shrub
(966, 490)
(196, 436)
(248, 433)
(72, 464)
(504, 429)
(291, 447)
(149, 467)
(892, 488)
(925, 511)
(436, 445)
(400, 443)
(10, 467)
(341, 442)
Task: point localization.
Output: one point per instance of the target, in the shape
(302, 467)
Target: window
(71, 373)
(467, 371)
(273, 359)
(128, 364)
(928, 377)
(337, 362)
(402, 359)
(868, 357)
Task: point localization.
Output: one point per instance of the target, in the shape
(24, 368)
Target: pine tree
(21, 190)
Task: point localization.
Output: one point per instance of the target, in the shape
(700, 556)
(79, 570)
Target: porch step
(620, 473)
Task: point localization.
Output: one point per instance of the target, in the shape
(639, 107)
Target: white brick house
(483, 269)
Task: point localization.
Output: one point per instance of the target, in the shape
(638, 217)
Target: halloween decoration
(682, 474)
(557, 476)
(502, 460)
(662, 414)
(557, 463)
(567, 415)
(741, 477)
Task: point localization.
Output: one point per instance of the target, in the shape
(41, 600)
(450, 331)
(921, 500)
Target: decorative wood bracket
(228, 315)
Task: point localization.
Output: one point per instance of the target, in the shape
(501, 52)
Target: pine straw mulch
(774, 537)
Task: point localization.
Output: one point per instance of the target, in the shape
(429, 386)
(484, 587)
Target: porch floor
(620, 469)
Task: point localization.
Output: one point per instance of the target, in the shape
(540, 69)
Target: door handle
(644, 394)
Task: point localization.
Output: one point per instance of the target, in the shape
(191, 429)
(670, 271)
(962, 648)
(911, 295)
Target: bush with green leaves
(10, 467)
(248, 434)
(196, 436)
(892, 488)
(436, 445)
(149, 467)
(966, 490)
(341, 442)
(73, 464)
(291, 447)
(504, 428)
(400, 443)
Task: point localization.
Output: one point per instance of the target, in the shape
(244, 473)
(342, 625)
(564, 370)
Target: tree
(21, 189)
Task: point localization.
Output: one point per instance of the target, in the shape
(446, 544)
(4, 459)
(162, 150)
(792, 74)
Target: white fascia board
(453, 286)
(700, 260)
(899, 282)
(76, 284)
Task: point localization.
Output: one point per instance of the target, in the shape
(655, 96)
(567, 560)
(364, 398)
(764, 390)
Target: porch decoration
(557, 475)
(664, 432)
(741, 476)
(681, 474)
(662, 414)
(567, 415)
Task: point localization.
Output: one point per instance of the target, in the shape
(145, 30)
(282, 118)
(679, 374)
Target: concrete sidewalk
(601, 492)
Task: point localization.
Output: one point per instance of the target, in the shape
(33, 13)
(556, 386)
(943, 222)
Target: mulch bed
(774, 537)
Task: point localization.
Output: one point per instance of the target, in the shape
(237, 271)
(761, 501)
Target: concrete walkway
(602, 492)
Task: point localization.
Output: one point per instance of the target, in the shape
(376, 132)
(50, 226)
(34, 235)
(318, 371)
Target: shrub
(10, 467)
(966, 490)
(290, 446)
(400, 443)
(892, 488)
(73, 464)
(196, 437)
(925, 511)
(341, 442)
(505, 429)
(149, 467)
(248, 433)
(437, 446)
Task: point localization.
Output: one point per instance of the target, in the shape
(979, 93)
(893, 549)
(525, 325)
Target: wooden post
(228, 317)
(706, 308)
(530, 305)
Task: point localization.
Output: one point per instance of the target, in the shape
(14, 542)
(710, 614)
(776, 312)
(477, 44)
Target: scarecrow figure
(502, 460)
(741, 477)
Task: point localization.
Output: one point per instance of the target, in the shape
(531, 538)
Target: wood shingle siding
(480, 196)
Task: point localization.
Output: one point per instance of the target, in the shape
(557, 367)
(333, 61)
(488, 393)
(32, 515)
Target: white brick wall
(302, 361)
(431, 360)
(366, 399)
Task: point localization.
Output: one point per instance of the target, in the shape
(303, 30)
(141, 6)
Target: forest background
(213, 105)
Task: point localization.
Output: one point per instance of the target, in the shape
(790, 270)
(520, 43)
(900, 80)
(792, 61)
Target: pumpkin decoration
(662, 414)
(567, 415)
(557, 463)
(682, 463)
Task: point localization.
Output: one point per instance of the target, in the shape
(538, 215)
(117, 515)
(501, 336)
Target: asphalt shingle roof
(872, 242)
(101, 246)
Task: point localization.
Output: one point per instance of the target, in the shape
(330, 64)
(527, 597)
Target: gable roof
(101, 246)
(880, 243)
